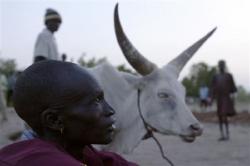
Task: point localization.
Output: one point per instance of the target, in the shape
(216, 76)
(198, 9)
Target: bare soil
(205, 151)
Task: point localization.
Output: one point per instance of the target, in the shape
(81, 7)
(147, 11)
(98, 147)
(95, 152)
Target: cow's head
(162, 96)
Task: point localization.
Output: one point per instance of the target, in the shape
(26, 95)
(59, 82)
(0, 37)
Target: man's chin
(106, 140)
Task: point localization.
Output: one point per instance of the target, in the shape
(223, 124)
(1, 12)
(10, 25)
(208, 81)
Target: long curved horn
(136, 60)
(180, 61)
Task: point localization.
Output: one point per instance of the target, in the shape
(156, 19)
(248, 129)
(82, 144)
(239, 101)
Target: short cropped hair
(43, 85)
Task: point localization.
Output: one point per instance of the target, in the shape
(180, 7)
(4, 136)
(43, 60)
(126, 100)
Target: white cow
(162, 97)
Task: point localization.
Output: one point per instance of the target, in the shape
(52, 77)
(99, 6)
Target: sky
(159, 29)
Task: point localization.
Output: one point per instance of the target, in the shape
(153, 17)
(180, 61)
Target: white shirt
(46, 45)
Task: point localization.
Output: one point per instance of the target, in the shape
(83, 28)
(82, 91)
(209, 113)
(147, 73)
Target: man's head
(63, 100)
(52, 20)
(222, 65)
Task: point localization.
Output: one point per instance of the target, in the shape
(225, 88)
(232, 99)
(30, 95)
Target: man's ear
(51, 119)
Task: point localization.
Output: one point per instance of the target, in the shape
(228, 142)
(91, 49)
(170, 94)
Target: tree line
(200, 74)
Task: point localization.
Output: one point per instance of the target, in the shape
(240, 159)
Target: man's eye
(97, 100)
(163, 95)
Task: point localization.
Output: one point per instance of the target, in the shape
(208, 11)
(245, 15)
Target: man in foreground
(67, 110)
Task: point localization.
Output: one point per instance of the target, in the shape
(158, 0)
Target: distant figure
(3, 88)
(64, 57)
(46, 46)
(204, 95)
(3, 82)
(222, 89)
(2, 105)
(11, 84)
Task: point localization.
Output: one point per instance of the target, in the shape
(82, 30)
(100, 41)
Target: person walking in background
(46, 46)
(2, 105)
(11, 83)
(204, 95)
(3, 89)
(222, 90)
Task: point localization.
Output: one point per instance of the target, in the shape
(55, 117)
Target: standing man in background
(11, 84)
(3, 87)
(2, 105)
(222, 90)
(46, 46)
(45, 49)
(204, 96)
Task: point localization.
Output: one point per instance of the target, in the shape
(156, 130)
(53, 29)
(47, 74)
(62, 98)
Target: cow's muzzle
(196, 130)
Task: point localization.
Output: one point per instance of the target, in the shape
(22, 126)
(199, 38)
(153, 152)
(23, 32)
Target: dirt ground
(205, 151)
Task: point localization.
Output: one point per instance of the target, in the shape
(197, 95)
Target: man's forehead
(89, 94)
(84, 80)
(95, 92)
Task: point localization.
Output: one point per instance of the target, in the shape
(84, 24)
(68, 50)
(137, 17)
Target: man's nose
(109, 111)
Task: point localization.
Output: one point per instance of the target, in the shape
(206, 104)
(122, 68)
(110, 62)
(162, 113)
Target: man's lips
(111, 125)
(111, 128)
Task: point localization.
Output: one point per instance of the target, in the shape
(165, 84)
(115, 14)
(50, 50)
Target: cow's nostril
(196, 126)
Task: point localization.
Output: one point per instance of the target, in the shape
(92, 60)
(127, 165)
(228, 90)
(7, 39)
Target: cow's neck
(132, 131)
(128, 139)
(122, 96)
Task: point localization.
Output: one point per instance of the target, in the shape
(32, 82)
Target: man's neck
(75, 151)
(50, 30)
(222, 72)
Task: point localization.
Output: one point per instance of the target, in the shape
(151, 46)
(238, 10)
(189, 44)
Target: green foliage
(242, 94)
(93, 62)
(7, 66)
(200, 74)
(190, 89)
(123, 68)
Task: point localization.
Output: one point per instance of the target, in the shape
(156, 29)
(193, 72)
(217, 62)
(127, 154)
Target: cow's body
(162, 97)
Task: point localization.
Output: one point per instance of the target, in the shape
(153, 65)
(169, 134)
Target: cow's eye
(163, 95)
